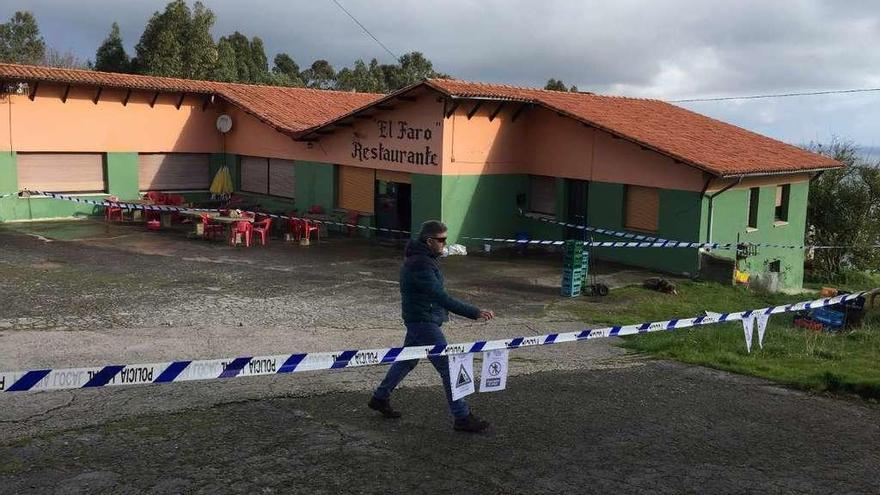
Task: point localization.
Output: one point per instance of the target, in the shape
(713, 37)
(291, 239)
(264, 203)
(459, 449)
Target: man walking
(425, 306)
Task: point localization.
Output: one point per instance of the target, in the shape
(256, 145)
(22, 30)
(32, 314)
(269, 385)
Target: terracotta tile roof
(289, 110)
(714, 146)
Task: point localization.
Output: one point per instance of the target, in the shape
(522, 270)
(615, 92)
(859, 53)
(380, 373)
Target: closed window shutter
(61, 172)
(281, 178)
(173, 171)
(356, 187)
(392, 176)
(542, 194)
(642, 208)
(255, 174)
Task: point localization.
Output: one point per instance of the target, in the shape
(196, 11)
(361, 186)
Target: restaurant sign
(393, 135)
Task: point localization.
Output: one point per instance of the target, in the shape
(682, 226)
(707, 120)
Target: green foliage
(226, 69)
(285, 71)
(200, 53)
(111, 56)
(843, 208)
(178, 43)
(320, 75)
(555, 85)
(20, 40)
(363, 78)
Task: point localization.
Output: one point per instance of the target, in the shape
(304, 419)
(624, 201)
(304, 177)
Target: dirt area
(576, 417)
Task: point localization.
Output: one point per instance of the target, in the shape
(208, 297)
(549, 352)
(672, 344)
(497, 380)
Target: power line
(778, 95)
(366, 30)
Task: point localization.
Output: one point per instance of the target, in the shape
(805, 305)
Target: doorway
(393, 208)
(576, 208)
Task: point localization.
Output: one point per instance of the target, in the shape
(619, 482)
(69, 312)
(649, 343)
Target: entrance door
(576, 209)
(393, 207)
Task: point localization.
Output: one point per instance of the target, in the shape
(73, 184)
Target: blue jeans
(418, 334)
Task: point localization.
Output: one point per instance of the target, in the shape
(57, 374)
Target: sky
(665, 49)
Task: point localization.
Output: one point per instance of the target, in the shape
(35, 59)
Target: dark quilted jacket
(423, 298)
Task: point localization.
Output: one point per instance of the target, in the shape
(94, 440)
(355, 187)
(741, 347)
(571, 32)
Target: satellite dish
(224, 123)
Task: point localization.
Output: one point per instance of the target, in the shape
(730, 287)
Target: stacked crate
(574, 269)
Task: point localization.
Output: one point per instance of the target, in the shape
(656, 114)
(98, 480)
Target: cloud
(672, 49)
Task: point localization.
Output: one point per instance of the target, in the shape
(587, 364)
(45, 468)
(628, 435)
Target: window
(173, 171)
(269, 176)
(642, 208)
(782, 195)
(754, 195)
(542, 194)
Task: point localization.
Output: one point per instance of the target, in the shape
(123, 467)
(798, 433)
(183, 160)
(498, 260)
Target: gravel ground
(576, 417)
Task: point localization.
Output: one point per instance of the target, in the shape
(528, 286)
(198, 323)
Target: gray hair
(431, 228)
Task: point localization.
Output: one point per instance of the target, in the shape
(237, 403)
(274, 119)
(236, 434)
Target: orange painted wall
(47, 124)
(249, 136)
(543, 143)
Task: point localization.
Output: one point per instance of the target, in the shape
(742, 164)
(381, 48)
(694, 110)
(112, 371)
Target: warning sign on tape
(188, 370)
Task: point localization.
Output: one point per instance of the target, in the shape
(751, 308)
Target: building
(471, 154)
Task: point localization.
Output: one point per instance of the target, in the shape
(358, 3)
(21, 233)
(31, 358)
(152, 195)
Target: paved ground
(576, 418)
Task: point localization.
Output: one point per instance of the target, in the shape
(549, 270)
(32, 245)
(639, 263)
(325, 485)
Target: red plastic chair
(352, 219)
(262, 228)
(112, 211)
(209, 228)
(156, 197)
(245, 229)
(302, 228)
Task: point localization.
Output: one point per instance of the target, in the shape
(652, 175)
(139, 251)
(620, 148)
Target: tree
(178, 43)
(226, 69)
(20, 40)
(320, 75)
(843, 208)
(259, 63)
(111, 56)
(66, 60)
(556, 85)
(361, 78)
(200, 52)
(285, 71)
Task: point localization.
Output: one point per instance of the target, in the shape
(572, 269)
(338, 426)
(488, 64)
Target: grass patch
(839, 363)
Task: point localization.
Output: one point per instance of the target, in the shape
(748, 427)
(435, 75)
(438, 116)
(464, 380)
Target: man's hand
(485, 314)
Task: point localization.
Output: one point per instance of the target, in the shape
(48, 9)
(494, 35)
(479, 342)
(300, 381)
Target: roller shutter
(642, 208)
(173, 171)
(356, 188)
(61, 172)
(281, 178)
(254, 174)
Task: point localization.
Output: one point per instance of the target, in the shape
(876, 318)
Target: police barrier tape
(598, 230)
(180, 371)
(177, 209)
(654, 240)
(610, 244)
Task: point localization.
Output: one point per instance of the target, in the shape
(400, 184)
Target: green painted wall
(8, 173)
(13, 208)
(122, 175)
(315, 185)
(427, 194)
(481, 205)
(730, 217)
(680, 213)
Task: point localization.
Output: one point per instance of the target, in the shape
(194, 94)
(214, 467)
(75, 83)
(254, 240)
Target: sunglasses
(441, 240)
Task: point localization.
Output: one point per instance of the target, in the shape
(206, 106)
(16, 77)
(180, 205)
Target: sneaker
(470, 424)
(384, 407)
